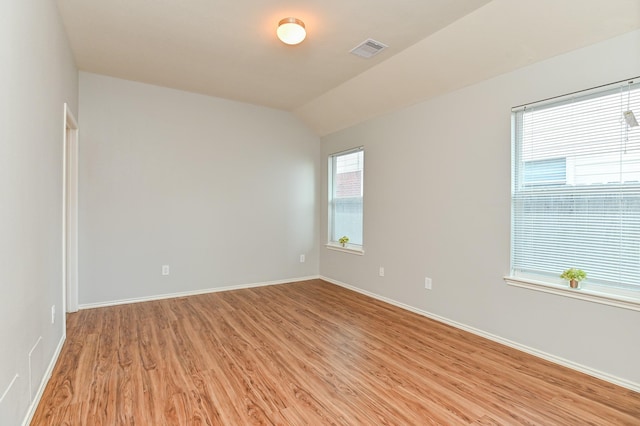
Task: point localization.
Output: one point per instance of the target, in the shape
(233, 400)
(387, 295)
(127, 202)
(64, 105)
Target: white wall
(437, 204)
(225, 193)
(37, 76)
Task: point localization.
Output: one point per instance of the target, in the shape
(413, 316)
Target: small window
(576, 190)
(346, 190)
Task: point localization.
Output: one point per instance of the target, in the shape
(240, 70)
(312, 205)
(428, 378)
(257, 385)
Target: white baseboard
(540, 354)
(193, 293)
(56, 355)
(45, 380)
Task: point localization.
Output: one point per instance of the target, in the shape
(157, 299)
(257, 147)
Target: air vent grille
(368, 48)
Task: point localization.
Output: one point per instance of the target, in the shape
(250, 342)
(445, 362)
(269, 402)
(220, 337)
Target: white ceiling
(228, 49)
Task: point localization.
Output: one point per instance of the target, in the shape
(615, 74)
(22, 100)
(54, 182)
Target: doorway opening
(70, 213)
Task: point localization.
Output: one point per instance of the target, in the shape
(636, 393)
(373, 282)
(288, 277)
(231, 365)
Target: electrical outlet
(302, 258)
(165, 269)
(427, 283)
(53, 314)
(381, 271)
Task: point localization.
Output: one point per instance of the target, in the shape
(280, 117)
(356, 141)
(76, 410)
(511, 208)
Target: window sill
(627, 299)
(358, 250)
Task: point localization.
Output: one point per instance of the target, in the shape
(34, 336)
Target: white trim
(6, 391)
(585, 293)
(69, 214)
(347, 249)
(540, 354)
(347, 151)
(193, 293)
(45, 380)
(30, 369)
(570, 96)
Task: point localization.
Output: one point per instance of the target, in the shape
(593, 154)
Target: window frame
(628, 298)
(332, 244)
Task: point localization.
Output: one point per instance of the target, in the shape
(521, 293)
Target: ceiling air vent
(368, 48)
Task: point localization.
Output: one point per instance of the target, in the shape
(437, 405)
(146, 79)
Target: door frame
(70, 214)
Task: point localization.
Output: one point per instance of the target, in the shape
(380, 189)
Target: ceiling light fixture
(291, 31)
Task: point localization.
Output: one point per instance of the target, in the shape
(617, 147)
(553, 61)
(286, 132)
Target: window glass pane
(346, 198)
(545, 172)
(576, 187)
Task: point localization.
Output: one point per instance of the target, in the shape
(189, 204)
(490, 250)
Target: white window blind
(576, 186)
(346, 189)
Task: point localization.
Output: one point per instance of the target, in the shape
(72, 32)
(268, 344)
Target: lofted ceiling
(228, 49)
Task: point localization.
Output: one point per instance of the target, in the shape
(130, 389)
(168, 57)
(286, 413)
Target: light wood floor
(307, 353)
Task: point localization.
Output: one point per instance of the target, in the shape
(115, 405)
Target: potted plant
(574, 276)
(343, 240)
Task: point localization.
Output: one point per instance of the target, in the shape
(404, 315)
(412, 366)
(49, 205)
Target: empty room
(320, 212)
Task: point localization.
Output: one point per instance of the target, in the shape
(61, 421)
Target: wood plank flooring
(307, 353)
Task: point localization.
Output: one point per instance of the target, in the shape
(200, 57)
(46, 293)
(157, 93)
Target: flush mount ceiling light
(291, 31)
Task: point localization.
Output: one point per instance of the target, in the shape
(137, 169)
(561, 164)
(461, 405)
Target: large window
(346, 188)
(576, 189)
